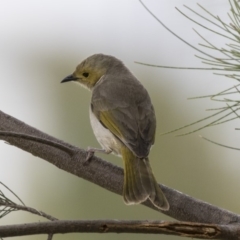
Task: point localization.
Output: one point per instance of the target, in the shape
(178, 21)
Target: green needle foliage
(6, 205)
(225, 60)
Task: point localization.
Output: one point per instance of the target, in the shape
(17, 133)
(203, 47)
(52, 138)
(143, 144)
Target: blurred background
(43, 41)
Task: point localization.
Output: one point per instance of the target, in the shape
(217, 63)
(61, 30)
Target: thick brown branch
(184, 229)
(107, 175)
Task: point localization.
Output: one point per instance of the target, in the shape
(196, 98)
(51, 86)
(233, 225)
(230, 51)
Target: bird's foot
(91, 151)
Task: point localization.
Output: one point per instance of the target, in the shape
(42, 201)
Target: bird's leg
(91, 151)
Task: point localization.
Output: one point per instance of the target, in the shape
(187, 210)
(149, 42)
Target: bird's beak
(69, 78)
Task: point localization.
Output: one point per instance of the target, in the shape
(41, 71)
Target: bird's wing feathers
(130, 120)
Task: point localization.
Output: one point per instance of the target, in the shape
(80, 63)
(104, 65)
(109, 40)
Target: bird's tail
(140, 183)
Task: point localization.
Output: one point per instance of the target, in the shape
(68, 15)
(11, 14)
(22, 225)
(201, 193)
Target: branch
(107, 175)
(30, 210)
(184, 229)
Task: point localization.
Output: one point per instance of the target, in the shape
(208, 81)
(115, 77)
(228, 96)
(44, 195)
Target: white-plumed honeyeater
(123, 121)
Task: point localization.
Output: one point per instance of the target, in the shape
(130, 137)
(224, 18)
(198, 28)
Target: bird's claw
(90, 154)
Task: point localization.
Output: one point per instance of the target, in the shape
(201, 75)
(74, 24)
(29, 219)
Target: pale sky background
(42, 42)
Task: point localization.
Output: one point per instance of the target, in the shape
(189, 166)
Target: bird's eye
(85, 74)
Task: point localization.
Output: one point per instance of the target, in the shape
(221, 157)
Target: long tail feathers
(140, 183)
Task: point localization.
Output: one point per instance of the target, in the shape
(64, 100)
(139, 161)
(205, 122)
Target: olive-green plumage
(123, 121)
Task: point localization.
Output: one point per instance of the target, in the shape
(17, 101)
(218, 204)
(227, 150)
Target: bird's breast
(105, 138)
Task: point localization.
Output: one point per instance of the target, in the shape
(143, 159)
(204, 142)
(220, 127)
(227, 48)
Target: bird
(124, 123)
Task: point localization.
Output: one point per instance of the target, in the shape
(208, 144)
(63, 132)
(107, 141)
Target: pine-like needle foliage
(222, 60)
(6, 204)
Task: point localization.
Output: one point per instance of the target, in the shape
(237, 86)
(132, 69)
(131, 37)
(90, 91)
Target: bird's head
(89, 71)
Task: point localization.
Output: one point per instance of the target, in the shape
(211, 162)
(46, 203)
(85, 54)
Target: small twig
(50, 236)
(31, 210)
(12, 193)
(7, 206)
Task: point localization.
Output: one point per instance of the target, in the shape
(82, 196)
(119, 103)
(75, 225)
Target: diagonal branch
(107, 175)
